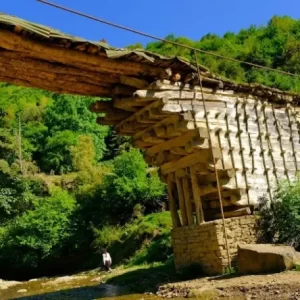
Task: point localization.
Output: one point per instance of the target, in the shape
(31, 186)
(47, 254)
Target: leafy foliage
(72, 114)
(39, 233)
(18, 194)
(280, 221)
(275, 45)
(128, 185)
(144, 240)
(57, 151)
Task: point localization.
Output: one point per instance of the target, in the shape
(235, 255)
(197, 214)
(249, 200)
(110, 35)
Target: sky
(192, 19)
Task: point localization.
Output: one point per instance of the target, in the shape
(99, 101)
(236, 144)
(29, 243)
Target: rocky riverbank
(284, 285)
(93, 285)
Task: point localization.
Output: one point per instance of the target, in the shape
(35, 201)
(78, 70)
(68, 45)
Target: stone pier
(205, 244)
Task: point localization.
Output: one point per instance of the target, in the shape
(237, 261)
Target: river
(83, 287)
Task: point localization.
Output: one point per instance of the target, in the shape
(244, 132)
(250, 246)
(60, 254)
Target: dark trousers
(107, 265)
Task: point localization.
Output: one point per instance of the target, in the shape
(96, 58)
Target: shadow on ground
(123, 285)
(146, 280)
(82, 293)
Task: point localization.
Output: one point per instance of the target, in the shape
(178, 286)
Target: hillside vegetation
(276, 45)
(69, 187)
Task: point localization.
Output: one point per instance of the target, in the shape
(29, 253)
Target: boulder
(266, 258)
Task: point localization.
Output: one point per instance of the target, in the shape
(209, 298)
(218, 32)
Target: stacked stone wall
(205, 244)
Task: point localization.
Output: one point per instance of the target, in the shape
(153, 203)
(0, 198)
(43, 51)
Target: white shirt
(106, 257)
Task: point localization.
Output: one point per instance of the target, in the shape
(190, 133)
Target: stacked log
(252, 141)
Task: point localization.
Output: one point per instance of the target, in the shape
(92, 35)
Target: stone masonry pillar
(205, 244)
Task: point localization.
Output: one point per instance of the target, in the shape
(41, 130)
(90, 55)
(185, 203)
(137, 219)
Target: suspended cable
(164, 40)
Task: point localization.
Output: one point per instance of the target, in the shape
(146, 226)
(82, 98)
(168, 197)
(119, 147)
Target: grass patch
(297, 268)
(146, 240)
(142, 252)
(230, 271)
(144, 278)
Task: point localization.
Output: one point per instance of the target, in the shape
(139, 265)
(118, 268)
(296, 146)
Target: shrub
(144, 240)
(38, 234)
(280, 220)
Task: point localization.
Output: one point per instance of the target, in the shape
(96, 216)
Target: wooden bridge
(247, 139)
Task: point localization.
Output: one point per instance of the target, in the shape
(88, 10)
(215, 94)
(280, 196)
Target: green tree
(17, 193)
(71, 113)
(57, 153)
(128, 185)
(83, 154)
(39, 234)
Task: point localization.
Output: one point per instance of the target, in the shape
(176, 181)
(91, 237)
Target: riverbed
(92, 286)
(83, 287)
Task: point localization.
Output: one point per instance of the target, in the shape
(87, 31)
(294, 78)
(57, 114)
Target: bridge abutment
(205, 244)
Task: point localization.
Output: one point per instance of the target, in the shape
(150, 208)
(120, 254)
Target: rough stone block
(254, 259)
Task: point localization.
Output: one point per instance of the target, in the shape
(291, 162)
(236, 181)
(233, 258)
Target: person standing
(107, 260)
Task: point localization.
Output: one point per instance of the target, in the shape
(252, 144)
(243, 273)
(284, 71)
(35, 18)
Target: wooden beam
(123, 90)
(140, 112)
(71, 81)
(152, 139)
(181, 202)
(101, 106)
(172, 143)
(117, 115)
(14, 42)
(187, 199)
(203, 156)
(60, 87)
(196, 194)
(172, 204)
(17, 59)
(179, 95)
(212, 215)
(103, 121)
(159, 127)
(128, 104)
(134, 82)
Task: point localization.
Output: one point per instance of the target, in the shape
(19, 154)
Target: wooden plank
(57, 84)
(103, 121)
(134, 82)
(203, 156)
(128, 104)
(188, 95)
(117, 115)
(212, 215)
(140, 112)
(172, 143)
(13, 42)
(172, 204)
(181, 86)
(196, 194)
(18, 60)
(101, 106)
(187, 199)
(123, 90)
(181, 201)
(159, 126)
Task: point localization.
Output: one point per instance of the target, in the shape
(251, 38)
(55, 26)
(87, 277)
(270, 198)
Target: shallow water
(83, 287)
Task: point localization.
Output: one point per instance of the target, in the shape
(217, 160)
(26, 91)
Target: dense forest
(69, 187)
